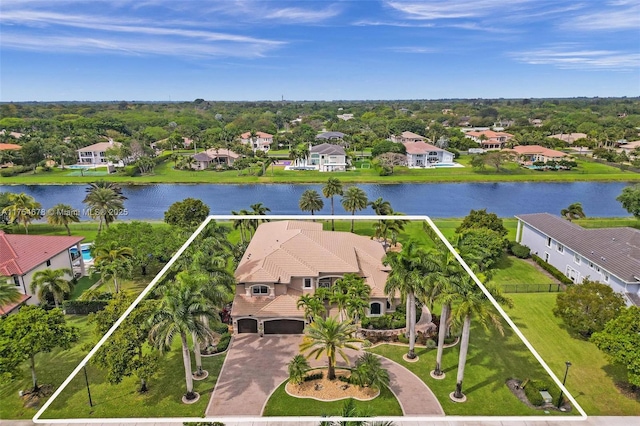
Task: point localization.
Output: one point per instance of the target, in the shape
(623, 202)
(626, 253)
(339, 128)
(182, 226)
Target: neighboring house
(569, 137)
(327, 158)
(529, 154)
(14, 135)
(421, 154)
(608, 255)
(286, 259)
(261, 142)
(488, 139)
(21, 256)
(407, 137)
(536, 122)
(214, 156)
(331, 136)
(629, 147)
(96, 154)
(345, 117)
(8, 147)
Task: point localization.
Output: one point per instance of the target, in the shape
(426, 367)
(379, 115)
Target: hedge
(223, 344)
(83, 307)
(532, 390)
(552, 270)
(518, 250)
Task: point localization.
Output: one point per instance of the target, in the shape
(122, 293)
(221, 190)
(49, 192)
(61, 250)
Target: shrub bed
(518, 250)
(83, 307)
(552, 270)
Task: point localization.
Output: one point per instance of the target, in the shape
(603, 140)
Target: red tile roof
(21, 253)
(5, 309)
(9, 146)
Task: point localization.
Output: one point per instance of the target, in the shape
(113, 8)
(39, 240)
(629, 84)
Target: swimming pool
(86, 252)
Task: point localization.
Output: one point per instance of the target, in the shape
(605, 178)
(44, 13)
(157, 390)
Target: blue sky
(317, 50)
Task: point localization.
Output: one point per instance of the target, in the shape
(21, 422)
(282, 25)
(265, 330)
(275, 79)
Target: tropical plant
(111, 260)
(329, 337)
(332, 188)
(574, 211)
(354, 199)
(105, 201)
(23, 209)
(51, 281)
(368, 371)
(241, 224)
(181, 313)
(8, 292)
(62, 215)
(310, 201)
(298, 368)
(260, 210)
(313, 306)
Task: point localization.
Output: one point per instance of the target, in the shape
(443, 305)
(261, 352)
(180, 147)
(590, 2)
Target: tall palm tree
(574, 211)
(241, 224)
(23, 209)
(354, 199)
(260, 210)
(104, 204)
(313, 306)
(112, 260)
(381, 207)
(51, 281)
(62, 215)
(8, 292)
(181, 313)
(468, 300)
(332, 188)
(310, 201)
(406, 277)
(329, 337)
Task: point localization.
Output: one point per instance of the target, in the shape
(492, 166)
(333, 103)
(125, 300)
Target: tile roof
(489, 134)
(9, 146)
(284, 249)
(5, 309)
(537, 149)
(21, 253)
(327, 149)
(330, 135)
(99, 147)
(411, 135)
(420, 147)
(616, 250)
(263, 135)
(265, 306)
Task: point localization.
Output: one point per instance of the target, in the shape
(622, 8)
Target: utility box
(546, 396)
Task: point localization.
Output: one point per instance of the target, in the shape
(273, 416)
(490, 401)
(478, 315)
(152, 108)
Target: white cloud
(412, 49)
(432, 10)
(621, 15)
(568, 56)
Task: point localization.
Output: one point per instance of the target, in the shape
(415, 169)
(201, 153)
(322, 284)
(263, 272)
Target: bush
(385, 171)
(532, 390)
(83, 307)
(553, 271)
(221, 328)
(403, 339)
(223, 344)
(518, 250)
(314, 376)
(15, 170)
(128, 171)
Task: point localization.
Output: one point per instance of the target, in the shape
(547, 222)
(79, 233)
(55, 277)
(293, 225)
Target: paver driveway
(254, 367)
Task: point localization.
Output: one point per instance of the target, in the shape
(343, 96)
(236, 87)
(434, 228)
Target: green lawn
(520, 276)
(83, 284)
(282, 404)
(591, 377)
(165, 173)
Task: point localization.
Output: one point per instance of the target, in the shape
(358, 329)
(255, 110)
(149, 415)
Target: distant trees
(22, 209)
(481, 219)
(105, 202)
(62, 215)
(187, 214)
(354, 199)
(310, 201)
(630, 199)
(574, 211)
(332, 188)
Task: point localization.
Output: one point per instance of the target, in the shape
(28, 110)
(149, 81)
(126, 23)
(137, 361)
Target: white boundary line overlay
(244, 419)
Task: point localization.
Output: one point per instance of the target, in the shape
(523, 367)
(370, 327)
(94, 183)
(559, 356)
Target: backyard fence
(531, 288)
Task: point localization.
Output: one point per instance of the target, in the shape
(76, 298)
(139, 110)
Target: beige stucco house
(287, 259)
(260, 142)
(213, 156)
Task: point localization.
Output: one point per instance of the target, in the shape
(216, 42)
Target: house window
(308, 283)
(606, 278)
(388, 305)
(597, 268)
(591, 265)
(560, 248)
(576, 259)
(549, 242)
(16, 280)
(257, 290)
(324, 283)
(375, 309)
(48, 262)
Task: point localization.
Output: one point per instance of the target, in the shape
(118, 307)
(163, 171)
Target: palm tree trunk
(66, 225)
(115, 282)
(442, 331)
(26, 228)
(353, 213)
(412, 327)
(143, 386)
(34, 379)
(331, 375)
(196, 351)
(186, 358)
(332, 223)
(464, 347)
(55, 301)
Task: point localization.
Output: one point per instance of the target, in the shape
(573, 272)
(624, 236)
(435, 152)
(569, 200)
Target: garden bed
(324, 389)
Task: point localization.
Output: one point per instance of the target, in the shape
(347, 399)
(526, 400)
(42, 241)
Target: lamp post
(86, 379)
(568, 364)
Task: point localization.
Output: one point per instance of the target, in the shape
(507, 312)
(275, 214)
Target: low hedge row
(532, 390)
(518, 250)
(552, 270)
(83, 307)
(223, 344)
(15, 170)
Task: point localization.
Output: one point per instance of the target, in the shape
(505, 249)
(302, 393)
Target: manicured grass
(51, 368)
(491, 361)
(282, 404)
(87, 229)
(608, 222)
(162, 400)
(511, 271)
(83, 284)
(165, 173)
(591, 378)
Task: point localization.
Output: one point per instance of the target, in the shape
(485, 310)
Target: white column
(83, 269)
(518, 231)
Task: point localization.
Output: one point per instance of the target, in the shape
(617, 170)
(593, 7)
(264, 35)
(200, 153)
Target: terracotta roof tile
(21, 253)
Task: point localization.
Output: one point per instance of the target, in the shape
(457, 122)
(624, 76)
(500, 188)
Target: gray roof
(202, 156)
(328, 149)
(617, 250)
(330, 135)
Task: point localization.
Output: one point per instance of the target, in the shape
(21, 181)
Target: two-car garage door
(283, 326)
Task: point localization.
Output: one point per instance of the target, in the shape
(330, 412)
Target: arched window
(259, 290)
(375, 308)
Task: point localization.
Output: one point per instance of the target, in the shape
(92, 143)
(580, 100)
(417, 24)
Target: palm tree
(181, 313)
(329, 336)
(63, 215)
(260, 210)
(313, 306)
(310, 201)
(332, 188)
(381, 207)
(104, 204)
(51, 281)
(353, 200)
(368, 371)
(8, 292)
(23, 209)
(468, 300)
(406, 277)
(112, 260)
(241, 224)
(574, 211)
(298, 368)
